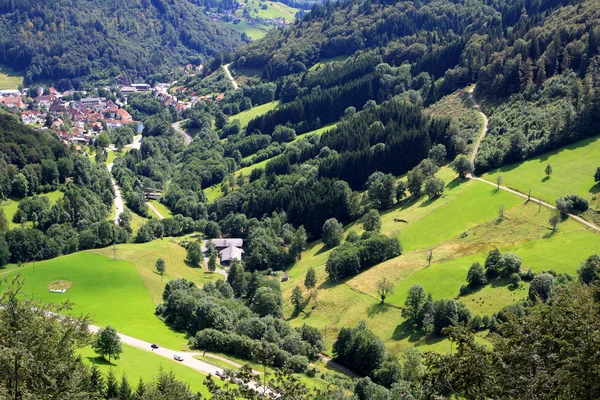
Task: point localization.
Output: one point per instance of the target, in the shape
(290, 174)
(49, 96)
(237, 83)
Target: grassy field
(9, 79)
(144, 256)
(136, 363)
(112, 292)
(326, 61)
(461, 227)
(162, 209)
(11, 206)
(246, 116)
(254, 31)
(573, 170)
(213, 192)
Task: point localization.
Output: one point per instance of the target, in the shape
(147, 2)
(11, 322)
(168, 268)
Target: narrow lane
(233, 82)
(118, 198)
(538, 201)
(177, 127)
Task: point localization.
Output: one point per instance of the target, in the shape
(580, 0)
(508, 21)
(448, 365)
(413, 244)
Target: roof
(228, 242)
(230, 253)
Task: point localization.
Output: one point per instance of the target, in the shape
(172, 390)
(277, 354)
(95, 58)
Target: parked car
(154, 346)
(178, 357)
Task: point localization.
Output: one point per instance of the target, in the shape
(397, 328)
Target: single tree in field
(401, 189)
(463, 166)
(332, 232)
(310, 280)
(476, 276)
(417, 297)
(212, 262)
(108, 343)
(548, 170)
(161, 267)
(297, 299)
(384, 288)
(372, 221)
(555, 219)
(597, 175)
(499, 180)
(194, 253)
(501, 212)
(434, 187)
(429, 256)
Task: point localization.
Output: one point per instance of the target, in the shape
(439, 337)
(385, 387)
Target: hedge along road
(529, 198)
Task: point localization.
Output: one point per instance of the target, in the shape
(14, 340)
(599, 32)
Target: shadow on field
(100, 361)
(376, 309)
(595, 189)
(407, 330)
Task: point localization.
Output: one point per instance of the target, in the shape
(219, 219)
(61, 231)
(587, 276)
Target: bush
(571, 204)
(515, 279)
(297, 363)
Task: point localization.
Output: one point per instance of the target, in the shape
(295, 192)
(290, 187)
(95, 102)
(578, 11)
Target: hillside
(98, 40)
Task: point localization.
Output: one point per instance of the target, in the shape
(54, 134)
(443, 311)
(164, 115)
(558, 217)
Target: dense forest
(85, 40)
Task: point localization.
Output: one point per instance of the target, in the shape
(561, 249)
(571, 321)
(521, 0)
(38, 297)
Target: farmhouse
(228, 248)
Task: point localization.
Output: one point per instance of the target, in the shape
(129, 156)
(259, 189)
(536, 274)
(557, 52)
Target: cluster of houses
(229, 16)
(86, 117)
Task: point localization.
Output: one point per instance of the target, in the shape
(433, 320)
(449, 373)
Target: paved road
(233, 82)
(177, 127)
(159, 215)
(538, 201)
(118, 198)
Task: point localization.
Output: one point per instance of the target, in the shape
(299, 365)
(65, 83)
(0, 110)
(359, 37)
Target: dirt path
(485, 124)
(177, 127)
(150, 206)
(118, 198)
(538, 201)
(233, 82)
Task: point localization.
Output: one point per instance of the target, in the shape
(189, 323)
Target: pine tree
(141, 389)
(112, 387)
(310, 280)
(96, 380)
(124, 389)
(297, 298)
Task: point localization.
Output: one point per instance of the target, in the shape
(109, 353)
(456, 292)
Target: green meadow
(9, 78)
(246, 116)
(10, 206)
(111, 292)
(573, 170)
(136, 363)
(161, 208)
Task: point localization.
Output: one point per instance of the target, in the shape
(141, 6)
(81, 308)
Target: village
(78, 117)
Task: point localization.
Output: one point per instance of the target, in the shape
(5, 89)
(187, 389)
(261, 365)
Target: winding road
(233, 82)
(529, 198)
(177, 127)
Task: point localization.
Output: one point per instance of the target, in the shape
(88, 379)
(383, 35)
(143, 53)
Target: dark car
(154, 346)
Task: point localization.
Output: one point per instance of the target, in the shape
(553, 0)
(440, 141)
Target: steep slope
(97, 40)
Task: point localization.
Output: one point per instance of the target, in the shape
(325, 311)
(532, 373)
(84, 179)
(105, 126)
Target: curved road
(177, 127)
(233, 82)
(538, 201)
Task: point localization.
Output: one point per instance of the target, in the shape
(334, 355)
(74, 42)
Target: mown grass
(112, 292)
(213, 192)
(573, 170)
(461, 228)
(144, 256)
(274, 10)
(254, 31)
(10, 206)
(9, 78)
(326, 61)
(246, 116)
(161, 208)
(136, 363)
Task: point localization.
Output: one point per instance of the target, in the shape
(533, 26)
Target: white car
(178, 357)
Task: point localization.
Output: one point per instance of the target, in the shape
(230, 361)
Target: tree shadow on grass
(407, 330)
(455, 183)
(100, 361)
(376, 309)
(595, 189)
(545, 179)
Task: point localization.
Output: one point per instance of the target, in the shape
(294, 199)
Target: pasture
(246, 116)
(9, 78)
(11, 205)
(136, 363)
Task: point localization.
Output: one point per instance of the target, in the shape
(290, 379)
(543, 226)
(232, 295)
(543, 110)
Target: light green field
(326, 61)
(274, 10)
(11, 206)
(162, 209)
(246, 116)
(136, 363)
(212, 192)
(9, 78)
(573, 170)
(144, 256)
(137, 221)
(254, 31)
(246, 171)
(461, 228)
(112, 292)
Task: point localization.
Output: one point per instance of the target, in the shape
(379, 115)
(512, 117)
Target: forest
(97, 41)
